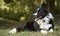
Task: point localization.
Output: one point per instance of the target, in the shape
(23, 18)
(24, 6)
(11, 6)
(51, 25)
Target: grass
(4, 32)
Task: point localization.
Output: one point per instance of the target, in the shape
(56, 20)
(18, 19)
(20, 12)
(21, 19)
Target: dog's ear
(44, 5)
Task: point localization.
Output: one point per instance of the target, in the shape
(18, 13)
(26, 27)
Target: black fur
(52, 23)
(30, 26)
(42, 12)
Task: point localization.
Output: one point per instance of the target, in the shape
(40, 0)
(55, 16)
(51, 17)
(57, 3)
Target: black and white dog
(43, 21)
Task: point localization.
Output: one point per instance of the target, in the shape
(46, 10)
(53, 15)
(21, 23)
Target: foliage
(22, 10)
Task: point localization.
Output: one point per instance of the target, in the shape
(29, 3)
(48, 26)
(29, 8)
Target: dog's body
(46, 23)
(43, 21)
(30, 26)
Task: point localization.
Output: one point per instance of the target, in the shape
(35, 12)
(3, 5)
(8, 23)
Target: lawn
(4, 32)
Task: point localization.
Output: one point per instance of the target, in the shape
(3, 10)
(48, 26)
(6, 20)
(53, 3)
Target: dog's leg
(14, 30)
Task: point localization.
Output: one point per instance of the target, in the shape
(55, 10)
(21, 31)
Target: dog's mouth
(36, 19)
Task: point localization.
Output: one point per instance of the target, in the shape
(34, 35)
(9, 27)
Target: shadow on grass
(6, 24)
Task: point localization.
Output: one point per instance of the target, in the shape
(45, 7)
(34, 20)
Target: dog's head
(41, 11)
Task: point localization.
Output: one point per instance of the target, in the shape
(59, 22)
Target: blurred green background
(14, 13)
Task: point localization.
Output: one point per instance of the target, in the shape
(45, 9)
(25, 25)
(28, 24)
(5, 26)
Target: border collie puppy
(45, 19)
(46, 24)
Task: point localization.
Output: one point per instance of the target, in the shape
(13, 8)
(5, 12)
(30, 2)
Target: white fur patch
(45, 26)
(50, 16)
(44, 31)
(51, 30)
(12, 31)
(40, 21)
(46, 20)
